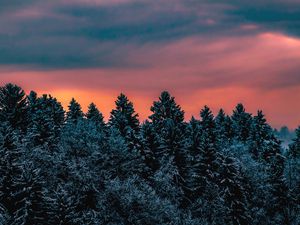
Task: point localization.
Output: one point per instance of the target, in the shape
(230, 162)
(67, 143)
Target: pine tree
(277, 201)
(125, 120)
(203, 164)
(123, 117)
(61, 207)
(151, 145)
(207, 165)
(260, 134)
(96, 116)
(294, 148)
(241, 123)
(292, 175)
(208, 126)
(13, 106)
(192, 174)
(166, 109)
(82, 155)
(233, 193)
(208, 144)
(75, 112)
(132, 201)
(46, 120)
(4, 217)
(224, 130)
(167, 119)
(28, 197)
(121, 161)
(9, 157)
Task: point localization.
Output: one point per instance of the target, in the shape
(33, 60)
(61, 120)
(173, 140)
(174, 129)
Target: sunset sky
(209, 52)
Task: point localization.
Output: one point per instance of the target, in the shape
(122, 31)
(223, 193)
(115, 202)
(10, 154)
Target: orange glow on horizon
(261, 71)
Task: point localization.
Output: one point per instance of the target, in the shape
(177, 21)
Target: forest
(75, 168)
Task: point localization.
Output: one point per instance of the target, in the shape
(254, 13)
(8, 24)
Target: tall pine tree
(241, 123)
(13, 106)
(96, 116)
(75, 112)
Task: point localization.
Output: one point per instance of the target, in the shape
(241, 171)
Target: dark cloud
(100, 33)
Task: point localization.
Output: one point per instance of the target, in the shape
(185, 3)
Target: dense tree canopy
(75, 168)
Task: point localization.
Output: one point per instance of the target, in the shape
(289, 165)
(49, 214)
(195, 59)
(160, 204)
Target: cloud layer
(204, 52)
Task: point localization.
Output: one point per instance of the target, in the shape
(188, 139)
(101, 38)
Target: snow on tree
(165, 109)
(123, 117)
(292, 174)
(96, 116)
(151, 146)
(132, 201)
(46, 119)
(233, 193)
(167, 119)
(260, 135)
(13, 106)
(9, 157)
(224, 130)
(208, 149)
(28, 196)
(222, 170)
(125, 120)
(75, 112)
(241, 123)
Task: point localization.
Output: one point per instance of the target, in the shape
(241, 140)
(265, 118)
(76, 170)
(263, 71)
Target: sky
(204, 52)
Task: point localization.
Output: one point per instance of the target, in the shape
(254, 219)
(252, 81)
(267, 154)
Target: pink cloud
(260, 70)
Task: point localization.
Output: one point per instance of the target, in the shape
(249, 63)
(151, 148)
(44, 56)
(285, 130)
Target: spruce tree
(13, 106)
(277, 201)
(75, 112)
(121, 161)
(166, 109)
(294, 148)
(151, 145)
(292, 174)
(233, 193)
(241, 123)
(45, 120)
(208, 165)
(4, 217)
(28, 197)
(123, 117)
(260, 135)
(61, 207)
(224, 130)
(125, 120)
(168, 121)
(96, 116)
(9, 158)
(192, 173)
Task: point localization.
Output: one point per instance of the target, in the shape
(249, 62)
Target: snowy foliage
(76, 169)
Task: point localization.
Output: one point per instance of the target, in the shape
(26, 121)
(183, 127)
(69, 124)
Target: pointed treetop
(124, 115)
(32, 97)
(206, 114)
(75, 111)
(12, 105)
(166, 108)
(239, 108)
(221, 114)
(95, 115)
(294, 148)
(260, 118)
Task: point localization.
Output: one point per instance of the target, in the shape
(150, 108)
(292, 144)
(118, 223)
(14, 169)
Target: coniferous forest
(74, 168)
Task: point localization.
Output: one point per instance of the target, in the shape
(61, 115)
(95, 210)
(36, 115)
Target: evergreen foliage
(75, 112)
(76, 169)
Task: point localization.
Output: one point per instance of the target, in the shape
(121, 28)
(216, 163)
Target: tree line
(73, 168)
